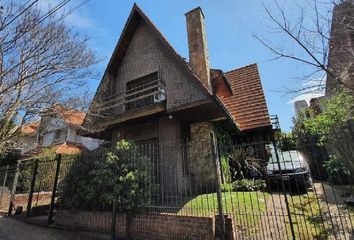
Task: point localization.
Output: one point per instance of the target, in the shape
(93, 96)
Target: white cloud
(311, 89)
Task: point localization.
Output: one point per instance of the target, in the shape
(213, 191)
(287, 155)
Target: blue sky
(229, 24)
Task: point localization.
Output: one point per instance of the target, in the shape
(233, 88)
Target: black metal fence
(270, 189)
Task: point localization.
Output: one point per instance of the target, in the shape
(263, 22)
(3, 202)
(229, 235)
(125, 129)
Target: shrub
(336, 171)
(96, 180)
(226, 187)
(225, 169)
(243, 164)
(287, 142)
(247, 185)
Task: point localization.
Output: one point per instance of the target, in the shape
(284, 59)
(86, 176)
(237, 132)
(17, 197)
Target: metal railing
(270, 189)
(145, 95)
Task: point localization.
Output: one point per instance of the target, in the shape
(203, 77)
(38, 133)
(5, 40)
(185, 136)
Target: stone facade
(197, 44)
(201, 156)
(341, 46)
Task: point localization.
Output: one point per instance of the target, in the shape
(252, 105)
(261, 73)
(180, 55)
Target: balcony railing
(149, 94)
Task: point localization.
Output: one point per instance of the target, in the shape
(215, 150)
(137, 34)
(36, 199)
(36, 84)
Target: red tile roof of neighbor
(70, 148)
(30, 129)
(247, 104)
(70, 116)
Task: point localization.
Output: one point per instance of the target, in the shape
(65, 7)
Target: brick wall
(145, 226)
(4, 201)
(43, 198)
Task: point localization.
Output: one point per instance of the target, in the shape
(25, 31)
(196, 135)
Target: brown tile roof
(70, 116)
(247, 105)
(69, 148)
(30, 129)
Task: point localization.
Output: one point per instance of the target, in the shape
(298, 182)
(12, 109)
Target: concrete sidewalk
(12, 229)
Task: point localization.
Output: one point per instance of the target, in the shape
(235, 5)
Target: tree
(315, 38)
(42, 62)
(331, 129)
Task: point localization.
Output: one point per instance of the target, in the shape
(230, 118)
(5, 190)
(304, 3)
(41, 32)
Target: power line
(54, 10)
(18, 15)
(74, 9)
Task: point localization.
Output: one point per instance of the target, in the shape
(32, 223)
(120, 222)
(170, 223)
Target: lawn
(244, 207)
(314, 218)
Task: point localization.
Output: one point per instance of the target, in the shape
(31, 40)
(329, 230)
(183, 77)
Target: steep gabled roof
(135, 16)
(247, 104)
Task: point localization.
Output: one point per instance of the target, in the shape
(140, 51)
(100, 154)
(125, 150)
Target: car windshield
(286, 156)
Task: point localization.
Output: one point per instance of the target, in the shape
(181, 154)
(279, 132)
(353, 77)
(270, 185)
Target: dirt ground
(11, 229)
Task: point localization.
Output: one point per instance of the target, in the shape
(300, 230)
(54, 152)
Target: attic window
(144, 91)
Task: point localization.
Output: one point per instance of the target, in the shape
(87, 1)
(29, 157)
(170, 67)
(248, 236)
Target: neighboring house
(341, 46)
(151, 95)
(300, 107)
(59, 130)
(315, 105)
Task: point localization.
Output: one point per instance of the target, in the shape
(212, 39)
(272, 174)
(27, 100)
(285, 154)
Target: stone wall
(145, 226)
(341, 45)
(201, 156)
(197, 44)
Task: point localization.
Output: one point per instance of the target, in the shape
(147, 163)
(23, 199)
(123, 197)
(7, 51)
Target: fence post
(33, 183)
(218, 181)
(4, 182)
(13, 190)
(52, 200)
(284, 192)
(114, 215)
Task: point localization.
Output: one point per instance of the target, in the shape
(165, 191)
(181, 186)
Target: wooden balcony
(137, 102)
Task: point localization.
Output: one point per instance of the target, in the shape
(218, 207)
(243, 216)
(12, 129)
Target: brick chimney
(197, 44)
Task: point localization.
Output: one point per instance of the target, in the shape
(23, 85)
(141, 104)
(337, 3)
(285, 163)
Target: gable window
(57, 135)
(144, 91)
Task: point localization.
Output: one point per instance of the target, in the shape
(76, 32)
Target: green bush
(96, 180)
(227, 187)
(336, 171)
(247, 185)
(225, 168)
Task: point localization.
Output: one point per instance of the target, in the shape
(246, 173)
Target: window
(57, 135)
(143, 92)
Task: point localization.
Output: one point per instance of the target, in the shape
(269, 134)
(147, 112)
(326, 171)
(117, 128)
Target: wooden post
(13, 190)
(33, 183)
(218, 181)
(4, 182)
(52, 200)
(114, 215)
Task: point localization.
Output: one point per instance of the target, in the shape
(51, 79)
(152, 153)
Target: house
(57, 129)
(151, 95)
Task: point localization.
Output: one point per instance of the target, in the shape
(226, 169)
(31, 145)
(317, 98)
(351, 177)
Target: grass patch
(312, 219)
(244, 207)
